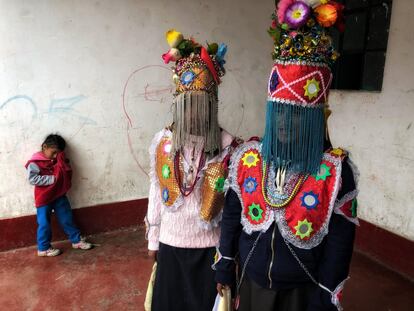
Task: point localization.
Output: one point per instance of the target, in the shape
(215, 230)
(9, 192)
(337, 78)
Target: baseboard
(21, 231)
(387, 248)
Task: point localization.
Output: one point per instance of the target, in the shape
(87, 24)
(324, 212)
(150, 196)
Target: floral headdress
(196, 74)
(300, 30)
(299, 82)
(197, 68)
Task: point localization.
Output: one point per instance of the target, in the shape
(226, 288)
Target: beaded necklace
(298, 185)
(186, 191)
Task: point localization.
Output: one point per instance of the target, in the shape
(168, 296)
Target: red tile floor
(114, 275)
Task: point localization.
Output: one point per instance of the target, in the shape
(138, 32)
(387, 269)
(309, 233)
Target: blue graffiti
(57, 107)
(23, 97)
(66, 106)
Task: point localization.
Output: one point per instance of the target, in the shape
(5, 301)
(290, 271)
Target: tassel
(196, 113)
(294, 137)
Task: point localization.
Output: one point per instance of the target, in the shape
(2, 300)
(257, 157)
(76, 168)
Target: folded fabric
(148, 296)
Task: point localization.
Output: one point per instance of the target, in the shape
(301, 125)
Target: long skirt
(184, 280)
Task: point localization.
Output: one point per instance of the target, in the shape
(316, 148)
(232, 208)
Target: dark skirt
(184, 280)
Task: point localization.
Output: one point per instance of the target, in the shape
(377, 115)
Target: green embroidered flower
(354, 207)
(255, 212)
(323, 173)
(219, 184)
(303, 228)
(166, 172)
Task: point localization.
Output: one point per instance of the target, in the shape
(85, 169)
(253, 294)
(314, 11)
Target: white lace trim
(340, 203)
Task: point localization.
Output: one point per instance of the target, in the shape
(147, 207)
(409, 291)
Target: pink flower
(297, 14)
(172, 55)
(281, 9)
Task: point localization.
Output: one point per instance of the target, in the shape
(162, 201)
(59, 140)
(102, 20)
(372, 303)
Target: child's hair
(54, 140)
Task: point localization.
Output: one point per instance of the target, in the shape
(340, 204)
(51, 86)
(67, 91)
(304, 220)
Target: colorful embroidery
(310, 200)
(165, 195)
(323, 173)
(250, 159)
(219, 185)
(167, 148)
(274, 81)
(354, 207)
(311, 88)
(255, 212)
(338, 152)
(303, 229)
(187, 77)
(166, 171)
(250, 184)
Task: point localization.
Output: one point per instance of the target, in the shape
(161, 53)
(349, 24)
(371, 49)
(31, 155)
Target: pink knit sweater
(182, 227)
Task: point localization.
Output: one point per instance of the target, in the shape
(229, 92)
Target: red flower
(340, 22)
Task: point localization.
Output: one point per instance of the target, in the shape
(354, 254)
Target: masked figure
(290, 210)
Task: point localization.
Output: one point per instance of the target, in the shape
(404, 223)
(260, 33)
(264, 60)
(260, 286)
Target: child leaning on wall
(50, 172)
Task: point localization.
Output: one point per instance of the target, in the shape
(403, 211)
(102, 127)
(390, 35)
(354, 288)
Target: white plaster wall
(69, 62)
(378, 129)
(64, 65)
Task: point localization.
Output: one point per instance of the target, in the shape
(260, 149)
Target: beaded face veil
(299, 82)
(196, 74)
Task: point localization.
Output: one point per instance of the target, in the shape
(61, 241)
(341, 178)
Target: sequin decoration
(250, 159)
(255, 212)
(323, 173)
(194, 75)
(165, 195)
(164, 160)
(166, 172)
(250, 184)
(303, 229)
(219, 184)
(167, 148)
(187, 77)
(309, 200)
(311, 88)
(274, 81)
(212, 191)
(354, 207)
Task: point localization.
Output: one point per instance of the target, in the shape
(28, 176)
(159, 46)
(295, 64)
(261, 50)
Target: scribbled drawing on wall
(65, 106)
(57, 108)
(150, 92)
(22, 101)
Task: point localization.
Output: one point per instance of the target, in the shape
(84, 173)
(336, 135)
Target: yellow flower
(174, 38)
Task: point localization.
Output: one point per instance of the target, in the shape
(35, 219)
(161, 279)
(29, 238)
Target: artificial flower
(212, 48)
(326, 15)
(297, 14)
(186, 47)
(172, 55)
(281, 9)
(340, 21)
(174, 38)
(221, 52)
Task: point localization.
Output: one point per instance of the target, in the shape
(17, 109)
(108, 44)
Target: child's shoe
(51, 252)
(82, 244)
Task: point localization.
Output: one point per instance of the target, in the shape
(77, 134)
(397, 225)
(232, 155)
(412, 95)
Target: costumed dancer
(188, 170)
(290, 211)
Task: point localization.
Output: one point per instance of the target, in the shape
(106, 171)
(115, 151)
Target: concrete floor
(114, 275)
